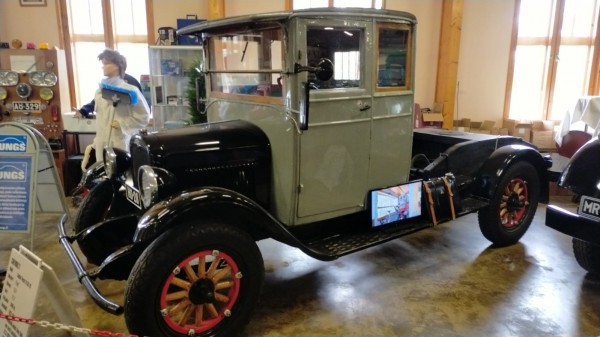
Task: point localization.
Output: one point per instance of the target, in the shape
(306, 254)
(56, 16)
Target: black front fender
(582, 174)
(90, 178)
(495, 166)
(211, 203)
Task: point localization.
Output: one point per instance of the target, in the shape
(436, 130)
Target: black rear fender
(496, 165)
(211, 203)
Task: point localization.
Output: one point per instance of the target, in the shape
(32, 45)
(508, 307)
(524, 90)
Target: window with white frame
(554, 57)
(99, 24)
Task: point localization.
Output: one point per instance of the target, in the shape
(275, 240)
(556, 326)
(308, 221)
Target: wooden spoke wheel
(510, 211)
(195, 280)
(515, 200)
(200, 292)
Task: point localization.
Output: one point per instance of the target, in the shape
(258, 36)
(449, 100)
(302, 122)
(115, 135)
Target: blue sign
(13, 143)
(15, 184)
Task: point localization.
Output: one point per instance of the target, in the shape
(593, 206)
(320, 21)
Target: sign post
(29, 181)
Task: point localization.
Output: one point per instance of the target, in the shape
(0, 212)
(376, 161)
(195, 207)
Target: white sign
(20, 292)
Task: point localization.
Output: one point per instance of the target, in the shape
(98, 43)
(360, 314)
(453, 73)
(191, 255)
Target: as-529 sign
(26, 106)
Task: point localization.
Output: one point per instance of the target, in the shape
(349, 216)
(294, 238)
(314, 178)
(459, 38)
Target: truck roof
(382, 14)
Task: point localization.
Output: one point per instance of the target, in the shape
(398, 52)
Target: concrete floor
(445, 281)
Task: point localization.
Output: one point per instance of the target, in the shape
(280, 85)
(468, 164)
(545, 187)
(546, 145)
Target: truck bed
(438, 151)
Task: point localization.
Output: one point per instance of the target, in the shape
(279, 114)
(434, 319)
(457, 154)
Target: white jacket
(131, 119)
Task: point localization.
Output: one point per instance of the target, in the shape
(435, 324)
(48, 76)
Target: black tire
(587, 255)
(510, 212)
(96, 207)
(155, 286)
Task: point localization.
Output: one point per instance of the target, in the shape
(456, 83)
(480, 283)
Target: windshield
(249, 63)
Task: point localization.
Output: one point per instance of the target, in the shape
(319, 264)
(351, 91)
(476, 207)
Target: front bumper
(572, 224)
(82, 275)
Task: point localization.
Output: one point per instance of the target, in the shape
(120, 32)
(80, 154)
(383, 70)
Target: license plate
(26, 106)
(589, 208)
(133, 196)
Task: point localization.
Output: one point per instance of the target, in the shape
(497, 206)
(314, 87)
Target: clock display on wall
(23, 90)
(43, 78)
(8, 78)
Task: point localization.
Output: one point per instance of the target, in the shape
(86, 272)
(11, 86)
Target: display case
(169, 81)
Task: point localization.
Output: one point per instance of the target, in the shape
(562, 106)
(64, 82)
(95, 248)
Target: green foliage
(197, 105)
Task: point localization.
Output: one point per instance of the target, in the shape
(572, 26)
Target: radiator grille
(140, 156)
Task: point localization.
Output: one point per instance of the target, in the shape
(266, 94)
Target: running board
(333, 247)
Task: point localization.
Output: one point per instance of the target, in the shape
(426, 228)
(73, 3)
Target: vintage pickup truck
(309, 141)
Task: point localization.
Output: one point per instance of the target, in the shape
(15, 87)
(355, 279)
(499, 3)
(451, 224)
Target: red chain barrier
(59, 326)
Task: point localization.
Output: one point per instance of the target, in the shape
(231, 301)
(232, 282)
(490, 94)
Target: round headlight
(148, 184)
(116, 161)
(110, 162)
(46, 94)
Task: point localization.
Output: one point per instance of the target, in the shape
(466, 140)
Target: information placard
(19, 294)
(15, 187)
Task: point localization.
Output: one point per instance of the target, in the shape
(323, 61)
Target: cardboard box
(425, 118)
(486, 127)
(500, 131)
(433, 119)
(462, 124)
(542, 134)
(518, 128)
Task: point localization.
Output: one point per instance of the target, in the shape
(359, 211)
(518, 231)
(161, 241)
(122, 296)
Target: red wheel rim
(200, 292)
(514, 203)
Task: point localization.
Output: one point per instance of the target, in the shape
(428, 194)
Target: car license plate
(26, 106)
(133, 196)
(589, 208)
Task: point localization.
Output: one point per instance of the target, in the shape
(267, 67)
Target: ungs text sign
(15, 183)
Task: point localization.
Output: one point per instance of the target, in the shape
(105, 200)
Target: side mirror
(323, 70)
(304, 106)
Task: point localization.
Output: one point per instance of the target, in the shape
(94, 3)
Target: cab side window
(248, 63)
(341, 45)
(393, 59)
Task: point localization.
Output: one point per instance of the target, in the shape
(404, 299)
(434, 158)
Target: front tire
(587, 255)
(510, 212)
(197, 280)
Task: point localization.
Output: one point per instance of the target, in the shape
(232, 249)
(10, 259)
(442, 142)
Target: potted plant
(196, 93)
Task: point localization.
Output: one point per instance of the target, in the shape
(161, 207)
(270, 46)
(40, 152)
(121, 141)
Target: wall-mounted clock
(23, 90)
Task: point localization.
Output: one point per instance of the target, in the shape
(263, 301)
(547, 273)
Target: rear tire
(510, 212)
(587, 255)
(197, 280)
